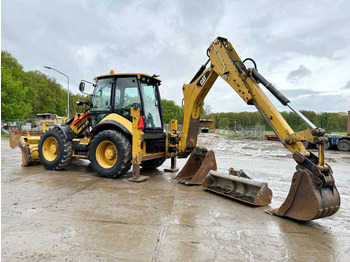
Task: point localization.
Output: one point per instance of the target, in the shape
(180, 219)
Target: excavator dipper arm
(313, 193)
(226, 63)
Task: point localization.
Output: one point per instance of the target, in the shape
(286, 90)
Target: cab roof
(138, 75)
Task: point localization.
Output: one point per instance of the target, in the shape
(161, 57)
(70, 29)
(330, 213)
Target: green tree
(312, 116)
(14, 100)
(343, 120)
(333, 122)
(224, 123)
(25, 94)
(171, 111)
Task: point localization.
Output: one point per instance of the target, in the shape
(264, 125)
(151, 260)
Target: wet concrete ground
(74, 215)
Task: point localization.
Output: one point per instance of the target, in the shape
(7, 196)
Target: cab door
(126, 93)
(152, 108)
(101, 99)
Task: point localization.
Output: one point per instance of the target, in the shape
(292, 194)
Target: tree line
(329, 121)
(25, 94)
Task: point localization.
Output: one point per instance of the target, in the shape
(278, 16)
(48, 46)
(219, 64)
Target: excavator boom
(313, 193)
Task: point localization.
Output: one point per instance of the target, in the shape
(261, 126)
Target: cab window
(151, 105)
(126, 94)
(101, 98)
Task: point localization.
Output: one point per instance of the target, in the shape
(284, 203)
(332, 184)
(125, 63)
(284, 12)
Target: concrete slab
(74, 215)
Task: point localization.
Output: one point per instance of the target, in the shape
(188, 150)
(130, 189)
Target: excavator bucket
(309, 197)
(200, 162)
(28, 142)
(239, 186)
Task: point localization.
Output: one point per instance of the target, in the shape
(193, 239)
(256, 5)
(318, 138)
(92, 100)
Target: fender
(115, 120)
(67, 131)
(109, 123)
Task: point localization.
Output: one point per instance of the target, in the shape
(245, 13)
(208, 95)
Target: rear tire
(55, 151)
(110, 154)
(152, 164)
(344, 145)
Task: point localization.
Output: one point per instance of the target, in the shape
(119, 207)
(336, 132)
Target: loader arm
(313, 193)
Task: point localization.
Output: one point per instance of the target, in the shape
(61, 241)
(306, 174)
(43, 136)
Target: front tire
(55, 151)
(110, 154)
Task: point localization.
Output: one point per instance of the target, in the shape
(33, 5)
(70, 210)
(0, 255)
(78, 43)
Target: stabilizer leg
(173, 167)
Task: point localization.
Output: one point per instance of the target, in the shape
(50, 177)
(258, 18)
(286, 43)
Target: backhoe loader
(122, 126)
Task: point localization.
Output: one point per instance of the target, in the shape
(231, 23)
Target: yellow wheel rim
(106, 154)
(50, 149)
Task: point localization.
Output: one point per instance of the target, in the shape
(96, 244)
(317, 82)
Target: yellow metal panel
(224, 67)
(83, 141)
(173, 126)
(193, 99)
(118, 118)
(136, 138)
(80, 156)
(82, 125)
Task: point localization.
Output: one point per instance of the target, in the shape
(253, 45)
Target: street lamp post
(68, 86)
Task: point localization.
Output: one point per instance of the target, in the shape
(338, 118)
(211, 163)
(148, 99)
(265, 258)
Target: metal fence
(245, 131)
(34, 124)
(167, 127)
(242, 131)
(20, 124)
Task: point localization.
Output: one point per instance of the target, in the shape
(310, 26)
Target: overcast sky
(303, 47)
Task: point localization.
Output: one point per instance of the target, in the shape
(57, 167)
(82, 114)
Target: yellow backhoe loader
(122, 126)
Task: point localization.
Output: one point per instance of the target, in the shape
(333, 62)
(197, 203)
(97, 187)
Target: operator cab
(116, 93)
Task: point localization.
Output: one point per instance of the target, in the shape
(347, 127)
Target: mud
(74, 215)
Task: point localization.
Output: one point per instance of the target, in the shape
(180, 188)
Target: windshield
(151, 105)
(101, 98)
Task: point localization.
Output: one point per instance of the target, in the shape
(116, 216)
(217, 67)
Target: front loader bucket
(238, 186)
(15, 138)
(197, 167)
(308, 199)
(28, 142)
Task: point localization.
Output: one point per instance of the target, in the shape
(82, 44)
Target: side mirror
(82, 86)
(79, 102)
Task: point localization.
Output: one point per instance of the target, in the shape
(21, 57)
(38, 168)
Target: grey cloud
(329, 102)
(347, 86)
(294, 93)
(288, 29)
(298, 75)
(88, 38)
